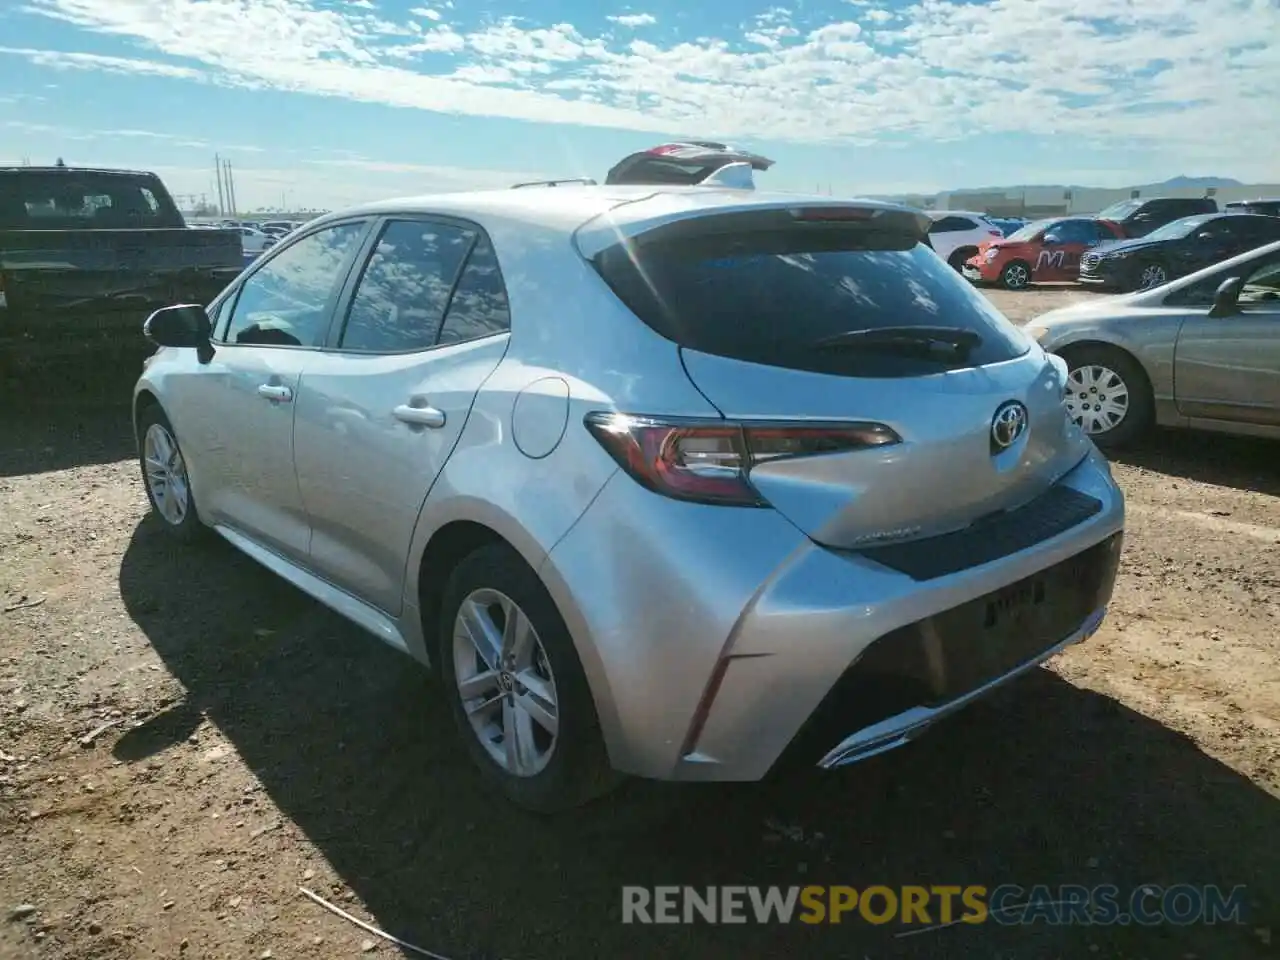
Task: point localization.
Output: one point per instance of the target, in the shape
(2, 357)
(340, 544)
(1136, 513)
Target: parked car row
(1099, 252)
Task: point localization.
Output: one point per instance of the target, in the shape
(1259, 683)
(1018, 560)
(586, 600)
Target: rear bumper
(902, 728)
(719, 641)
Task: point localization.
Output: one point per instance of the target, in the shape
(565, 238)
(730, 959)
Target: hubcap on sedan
(1152, 276)
(1097, 398)
(166, 474)
(505, 682)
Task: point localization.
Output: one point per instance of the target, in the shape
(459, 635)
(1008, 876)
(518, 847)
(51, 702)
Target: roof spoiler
(732, 176)
(585, 181)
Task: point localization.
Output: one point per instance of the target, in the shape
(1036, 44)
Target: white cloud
(634, 20)
(1133, 73)
(172, 139)
(93, 61)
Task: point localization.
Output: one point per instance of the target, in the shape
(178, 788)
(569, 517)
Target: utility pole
(217, 164)
(231, 190)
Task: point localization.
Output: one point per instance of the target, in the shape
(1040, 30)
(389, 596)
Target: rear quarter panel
(574, 349)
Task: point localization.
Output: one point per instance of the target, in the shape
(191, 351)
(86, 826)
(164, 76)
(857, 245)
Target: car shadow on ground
(1243, 463)
(1046, 783)
(42, 437)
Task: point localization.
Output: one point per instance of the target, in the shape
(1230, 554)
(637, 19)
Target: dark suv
(1268, 207)
(1137, 218)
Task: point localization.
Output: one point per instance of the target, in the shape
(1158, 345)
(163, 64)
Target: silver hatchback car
(677, 482)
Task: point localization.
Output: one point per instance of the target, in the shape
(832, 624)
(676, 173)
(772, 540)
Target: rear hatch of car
(838, 316)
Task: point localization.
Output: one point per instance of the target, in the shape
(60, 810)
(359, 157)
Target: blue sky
(328, 102)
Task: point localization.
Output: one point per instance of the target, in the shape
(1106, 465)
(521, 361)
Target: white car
(955, 234)
(255, 241)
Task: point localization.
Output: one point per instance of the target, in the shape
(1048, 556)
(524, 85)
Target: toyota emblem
(1008, 424)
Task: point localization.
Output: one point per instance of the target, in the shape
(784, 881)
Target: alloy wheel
(1097, 398)
(1016, 276)
(166, 474)
(505, 682)
(1152, 275)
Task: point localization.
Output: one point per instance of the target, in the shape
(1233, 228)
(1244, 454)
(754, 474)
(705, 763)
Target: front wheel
(1108, 395)
(1150, 275)
(1016, 275)
(516, 687)
(164, 474)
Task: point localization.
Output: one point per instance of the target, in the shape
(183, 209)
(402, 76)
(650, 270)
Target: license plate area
(939, 659)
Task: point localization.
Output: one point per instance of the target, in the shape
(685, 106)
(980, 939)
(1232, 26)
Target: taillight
(710, 461)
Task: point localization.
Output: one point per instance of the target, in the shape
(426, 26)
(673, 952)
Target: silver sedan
(1202, 352)
(664, 481)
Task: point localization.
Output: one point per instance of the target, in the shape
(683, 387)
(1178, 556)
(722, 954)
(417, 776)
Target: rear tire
(1016, 275)
(1102, 382)
(165, 478)
(528, 661)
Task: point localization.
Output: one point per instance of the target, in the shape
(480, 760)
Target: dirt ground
(185, 740)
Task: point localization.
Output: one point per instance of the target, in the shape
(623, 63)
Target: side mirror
(1051, 240)
(1226, 297)
(183, 325)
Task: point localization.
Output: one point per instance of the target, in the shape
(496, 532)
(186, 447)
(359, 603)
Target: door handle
(419, 416)
(275, 391)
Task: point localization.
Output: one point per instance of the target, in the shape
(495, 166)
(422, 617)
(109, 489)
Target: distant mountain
(1194, 183)
(1184, 182)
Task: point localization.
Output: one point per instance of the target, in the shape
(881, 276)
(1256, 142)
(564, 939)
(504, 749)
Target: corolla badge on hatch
(1009, 423)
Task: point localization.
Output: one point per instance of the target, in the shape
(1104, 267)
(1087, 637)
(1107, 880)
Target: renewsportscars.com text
(1007, 904)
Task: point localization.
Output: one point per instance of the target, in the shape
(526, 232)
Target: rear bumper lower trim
(899, 730)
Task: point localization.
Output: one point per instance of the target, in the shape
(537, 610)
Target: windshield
(1264, 285)
(1177, 229)
(1029, 232)
(1120, 210)
(782, 297)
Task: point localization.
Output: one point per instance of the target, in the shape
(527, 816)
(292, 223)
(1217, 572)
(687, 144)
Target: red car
(1042, 251)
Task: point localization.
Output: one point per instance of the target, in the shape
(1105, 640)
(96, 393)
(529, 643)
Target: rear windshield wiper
(911, 339)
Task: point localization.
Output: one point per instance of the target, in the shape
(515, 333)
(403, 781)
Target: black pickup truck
(86, 254)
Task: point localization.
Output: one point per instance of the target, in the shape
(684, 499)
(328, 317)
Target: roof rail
(586, 181)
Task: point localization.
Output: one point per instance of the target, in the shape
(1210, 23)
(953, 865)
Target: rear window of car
(83, 199)
(773, 296)
(1189, 205)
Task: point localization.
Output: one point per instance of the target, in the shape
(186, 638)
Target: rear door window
(1074, 231)
(479, 307)
(773, 297)
(402, 296)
